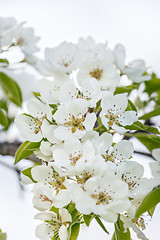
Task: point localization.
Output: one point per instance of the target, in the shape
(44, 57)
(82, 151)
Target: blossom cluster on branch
(79, 124)
(75, 117)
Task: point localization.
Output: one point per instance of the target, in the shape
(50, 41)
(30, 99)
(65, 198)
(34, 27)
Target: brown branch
(144, 153)
(9, 149)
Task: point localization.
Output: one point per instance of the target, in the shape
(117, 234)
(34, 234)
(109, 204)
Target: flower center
(131, 183)
(58, 183)
(76, 123)
(102, 198)
(38, 125)
(112, 117)
(96, 73)
(75, 159)
(140, 223)
(108, 157)
(65, 62)
(83, 177)
(20, 41)
(44, 198)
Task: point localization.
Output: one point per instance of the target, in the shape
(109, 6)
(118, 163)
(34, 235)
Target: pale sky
(134, 23)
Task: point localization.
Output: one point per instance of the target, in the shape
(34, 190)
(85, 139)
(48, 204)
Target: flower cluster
(75, 117)
(15, 37)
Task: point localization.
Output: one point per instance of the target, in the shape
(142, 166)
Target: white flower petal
(128, 117)
(89, 121)
(40, 173)
(63, 233)
(61, 199)
(156, 154)
(65, 215)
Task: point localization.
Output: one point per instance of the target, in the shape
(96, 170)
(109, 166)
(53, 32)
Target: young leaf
(127, 89)
(149, 202)
(140, 126)
(131, 106)
(154, 113)
(153, 85)
(151, 211)
(120, 233)
(27, 172)
(4, 61)
(101, 224)
(53, 209)
(25, 150)
(3, 119)
(11, 89)
(70, 207)
(87, 219)
(74, 231)
(3, 236)
(114, 236)
(150, 141)
(3, 104)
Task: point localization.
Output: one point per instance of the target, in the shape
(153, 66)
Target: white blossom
(113, 112)
(73, 119)
(105, 194)
(53, 224)
(53, 181)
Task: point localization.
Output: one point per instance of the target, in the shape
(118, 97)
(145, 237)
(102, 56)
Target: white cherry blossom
(54, 225)
(105, 194)
(113, 112)
(73, 119)
(155, 165)
(88, 48)
(59, 61)
(53, 181)
(103, 71)
(132, 173)
(135, 70)
(73, 153)
(43, 197)
(30, 125)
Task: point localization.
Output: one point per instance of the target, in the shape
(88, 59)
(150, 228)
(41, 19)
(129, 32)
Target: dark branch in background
(9, 149)
(144, 153)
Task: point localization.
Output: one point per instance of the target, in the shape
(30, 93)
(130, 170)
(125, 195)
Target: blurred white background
(134, 23)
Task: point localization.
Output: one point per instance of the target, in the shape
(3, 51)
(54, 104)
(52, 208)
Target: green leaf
(127, 89)
(101, 224)
(114, 236)
(3, 119)
(88, 219)
(150, 141)
(3, 236)
(74, 214)
(120, 233)
(74, 231)
(154, 113)
(152, 85)
(53, 209)
(11, 89)
(70, 207)
(149, 202)
(131, 106)
(27, 172)
(3, 105)
(140, 126)
(55, 237)
(4, 62)
(151, 211)
(25, 150)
